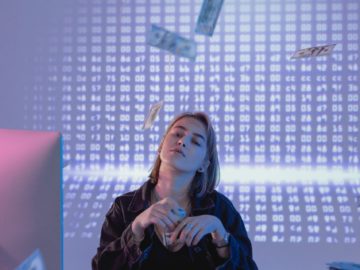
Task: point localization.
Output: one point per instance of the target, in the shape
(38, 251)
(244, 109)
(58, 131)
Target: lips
(178, 151)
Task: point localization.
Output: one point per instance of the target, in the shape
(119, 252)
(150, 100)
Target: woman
(176, 220)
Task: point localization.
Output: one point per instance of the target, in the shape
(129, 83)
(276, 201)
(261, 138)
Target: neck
(174, 184)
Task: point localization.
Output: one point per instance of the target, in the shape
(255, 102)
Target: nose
(182, 141)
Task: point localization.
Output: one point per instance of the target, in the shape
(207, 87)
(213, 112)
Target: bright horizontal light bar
(280, 175)
(232, 174)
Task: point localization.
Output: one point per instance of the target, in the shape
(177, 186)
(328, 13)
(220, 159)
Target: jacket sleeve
(239, 242)
(117, 249)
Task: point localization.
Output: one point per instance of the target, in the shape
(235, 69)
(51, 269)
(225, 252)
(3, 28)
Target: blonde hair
(204, 182)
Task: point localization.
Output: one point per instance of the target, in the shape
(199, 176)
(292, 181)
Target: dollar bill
(172, 42)
(166, 237)
(344, 265)
(208, 17)
(313, 51)
(34, 262)
(150, 119)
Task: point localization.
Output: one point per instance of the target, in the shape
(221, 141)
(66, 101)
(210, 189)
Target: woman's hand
(192, 229)
(165, 214)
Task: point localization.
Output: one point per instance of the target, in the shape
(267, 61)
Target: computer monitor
(30, 198)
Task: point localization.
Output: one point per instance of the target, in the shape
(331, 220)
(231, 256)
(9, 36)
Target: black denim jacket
(118, 250)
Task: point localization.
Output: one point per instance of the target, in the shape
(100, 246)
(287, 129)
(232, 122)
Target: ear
(204, 166)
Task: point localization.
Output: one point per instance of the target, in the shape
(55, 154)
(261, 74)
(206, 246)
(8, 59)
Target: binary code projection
(97, 79)
(267, 108)
(287, 129)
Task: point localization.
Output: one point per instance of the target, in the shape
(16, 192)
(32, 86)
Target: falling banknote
(172, 42)
(207, 19)
(313, 51)
(344, 266)
(34, 262)
(154, 110)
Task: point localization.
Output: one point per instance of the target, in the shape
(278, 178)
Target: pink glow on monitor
(29, 194)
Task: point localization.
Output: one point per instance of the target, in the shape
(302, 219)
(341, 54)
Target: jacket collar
(142, 200)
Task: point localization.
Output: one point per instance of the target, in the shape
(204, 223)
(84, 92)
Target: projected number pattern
(277, 213)
(101, 78)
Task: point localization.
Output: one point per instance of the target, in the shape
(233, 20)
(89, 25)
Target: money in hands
(208, 16)
(150, 119)
(167, 235)
(313, 51)
(172, 42)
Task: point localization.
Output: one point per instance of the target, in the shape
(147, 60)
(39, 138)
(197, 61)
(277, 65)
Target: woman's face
(185, 145)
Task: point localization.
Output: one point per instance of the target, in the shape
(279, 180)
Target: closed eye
(195, 142)
(178, 135)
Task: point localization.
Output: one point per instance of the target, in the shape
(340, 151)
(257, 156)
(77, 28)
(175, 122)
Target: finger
(162, 208)
(178, 229)
(174, 218)
(156, 220)
(171, 213)
(165, 222)
(171, 223)
(170, 202)
(200, 234)
(171, 205)
(176, 209)
(191, 234)
(184, 232)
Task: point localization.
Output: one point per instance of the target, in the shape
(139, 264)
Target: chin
(178, 165)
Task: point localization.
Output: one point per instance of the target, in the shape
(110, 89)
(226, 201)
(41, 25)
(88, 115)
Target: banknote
(172, 42)
(166, 237)
(33, 262)
(313, 51)
(208, 17)
(344, 265)
(150, 118)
